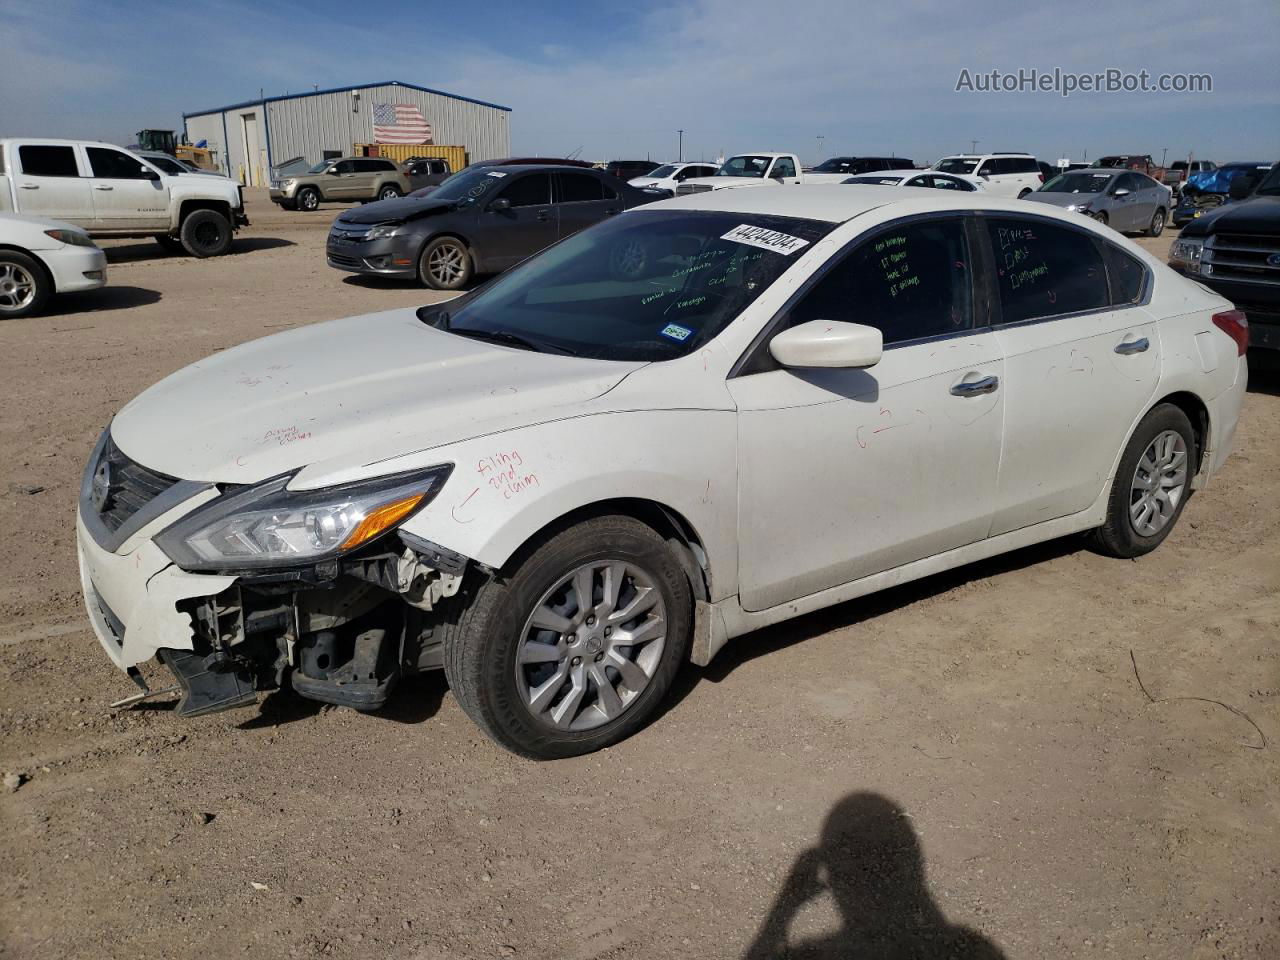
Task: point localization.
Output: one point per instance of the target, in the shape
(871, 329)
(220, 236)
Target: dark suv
(856, 165)
(1236, 251)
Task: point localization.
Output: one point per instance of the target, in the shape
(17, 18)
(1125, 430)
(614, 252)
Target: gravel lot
(965, 766)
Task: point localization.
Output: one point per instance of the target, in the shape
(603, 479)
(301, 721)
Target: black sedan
(482, 220)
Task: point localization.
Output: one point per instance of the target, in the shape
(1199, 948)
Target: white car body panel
(673, 181)
(802, 488)
(66, 263)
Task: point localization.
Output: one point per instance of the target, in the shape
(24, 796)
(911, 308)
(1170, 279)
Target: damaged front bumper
(343, 631)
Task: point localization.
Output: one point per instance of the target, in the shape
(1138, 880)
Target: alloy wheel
(446, 263)
(591, 646)
(17, 287)
(1159, 483)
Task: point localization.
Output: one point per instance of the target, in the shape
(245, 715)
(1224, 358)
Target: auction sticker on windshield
(765, 239)
(676, 332)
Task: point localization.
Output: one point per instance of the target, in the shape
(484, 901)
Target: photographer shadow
(869, 861)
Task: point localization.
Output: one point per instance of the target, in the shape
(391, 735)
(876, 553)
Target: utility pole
(1164, 152)
(680, 148)
(973, 146)
(820, 139)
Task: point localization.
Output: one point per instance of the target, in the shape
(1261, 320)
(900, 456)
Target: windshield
(1078, 183)
(167, 164)
(956, 165)
(470, 185)
(643, 286)
(834, 165)
(888, 180)
(320, 167)
(662, 172)
(1270, 187)
(744, 167)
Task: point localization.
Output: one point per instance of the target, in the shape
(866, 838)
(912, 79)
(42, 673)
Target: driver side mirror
(828, 343)
(332, 171)
(1121, 192)
(148, 173)
(500, 205)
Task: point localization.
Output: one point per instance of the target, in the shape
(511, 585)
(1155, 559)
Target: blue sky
(618, 79)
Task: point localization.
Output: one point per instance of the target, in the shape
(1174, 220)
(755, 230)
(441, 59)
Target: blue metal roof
(360, 86)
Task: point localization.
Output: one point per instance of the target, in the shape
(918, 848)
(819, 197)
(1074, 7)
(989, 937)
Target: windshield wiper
(509, 339)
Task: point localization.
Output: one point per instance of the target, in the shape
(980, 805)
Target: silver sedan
(1128, 201)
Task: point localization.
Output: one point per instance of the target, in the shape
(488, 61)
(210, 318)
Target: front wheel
(308, 199)
(24, 288)
(1101, 217)
(1157, 224)
(1152, 484)
(205, 233)
(445, 264)
(575, 648)
(389, 192)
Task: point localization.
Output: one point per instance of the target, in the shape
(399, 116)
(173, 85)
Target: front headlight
(380, 231)
(72, 237)
(1080, 207)
(267, 525)
(1187, 253)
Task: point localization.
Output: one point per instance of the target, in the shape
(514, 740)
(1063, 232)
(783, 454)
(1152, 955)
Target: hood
(1259, 215)
(1064, 199)
(400, 208)
(346, 393)
(722, 183)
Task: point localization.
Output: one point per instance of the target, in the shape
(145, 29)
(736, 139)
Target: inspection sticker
(495, 173)
(766, 239)
(676, 332)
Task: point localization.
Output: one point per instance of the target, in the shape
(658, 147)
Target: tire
(1164, 439)
(445, 264)
(1101, 217)
(552, 705)
(308, 199)
(389, 192)
(24, 285)
(287, 204)
(1157, 223)
(170, 244)
(205, 233)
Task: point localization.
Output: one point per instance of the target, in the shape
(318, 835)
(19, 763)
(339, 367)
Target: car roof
(979, 156)
(836, 203)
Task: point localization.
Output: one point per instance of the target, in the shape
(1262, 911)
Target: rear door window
(1045, 270)
(38, 160)
(580, 188)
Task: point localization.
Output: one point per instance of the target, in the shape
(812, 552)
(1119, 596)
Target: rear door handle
(31, 186)
(102, 186)
(1133, 346)
(974, 388)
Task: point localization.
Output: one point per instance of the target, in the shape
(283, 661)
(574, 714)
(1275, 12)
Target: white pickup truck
(762, 169)
(109, 192)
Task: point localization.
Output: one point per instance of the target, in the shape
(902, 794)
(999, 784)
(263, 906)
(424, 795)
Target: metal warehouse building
(250, 138)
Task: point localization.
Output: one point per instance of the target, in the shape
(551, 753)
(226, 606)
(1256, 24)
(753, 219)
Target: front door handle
(1133, 346)
(544, 215)
(611, 211)
(31, 186)
(974, 388)
(102, 186)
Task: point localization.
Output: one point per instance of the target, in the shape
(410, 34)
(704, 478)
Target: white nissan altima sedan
(700, 417)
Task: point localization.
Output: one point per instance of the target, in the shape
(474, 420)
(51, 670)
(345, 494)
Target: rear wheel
(574, 649)
(24, 287)
(308, 199)
(1152, 484)
(445, 264)
(206, 233)
(1157, 223)
(389, 192)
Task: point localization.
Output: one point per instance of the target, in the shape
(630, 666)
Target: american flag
(399, 123)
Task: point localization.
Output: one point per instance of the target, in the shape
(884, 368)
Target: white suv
(1002, 174)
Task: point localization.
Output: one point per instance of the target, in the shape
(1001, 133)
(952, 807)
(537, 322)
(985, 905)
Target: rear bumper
(1260, 303)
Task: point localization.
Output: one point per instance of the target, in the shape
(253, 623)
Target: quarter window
(910, 282)
(579, 188)
(1125, 275)
(1043, 270)
(50, 161)
(114, 165)
(532, 190)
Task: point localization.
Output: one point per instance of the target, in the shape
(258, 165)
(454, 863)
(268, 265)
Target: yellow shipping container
(400, 152)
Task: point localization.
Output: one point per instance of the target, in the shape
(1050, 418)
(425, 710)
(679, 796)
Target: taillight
(1041, 176)
(1234, 324)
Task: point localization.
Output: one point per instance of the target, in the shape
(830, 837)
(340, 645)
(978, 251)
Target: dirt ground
(966, 766)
